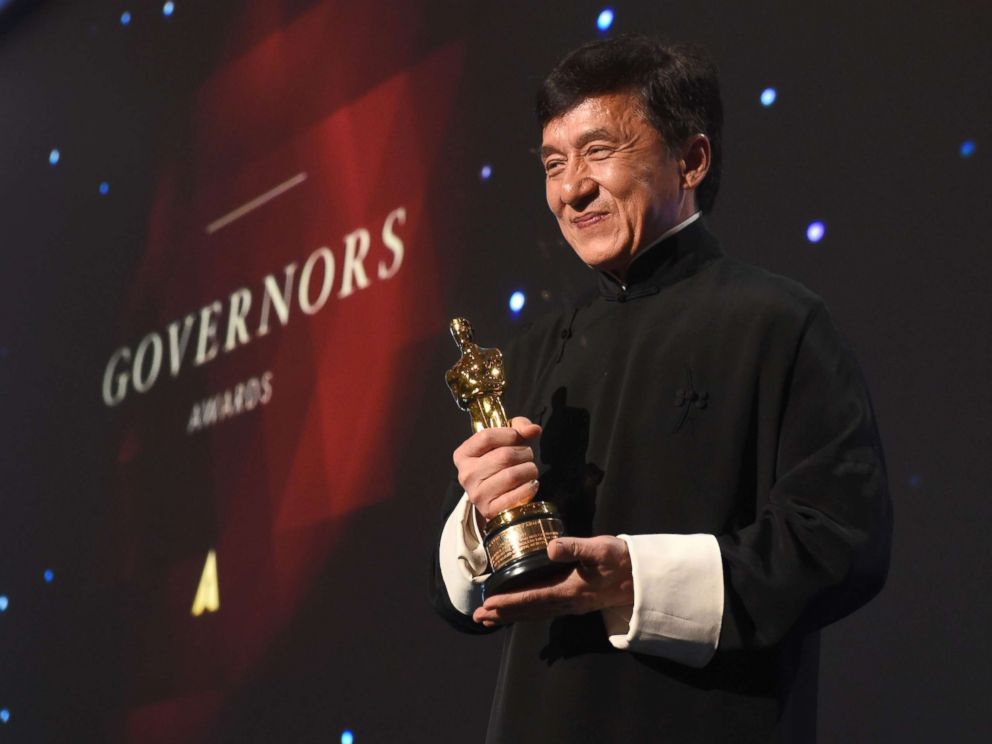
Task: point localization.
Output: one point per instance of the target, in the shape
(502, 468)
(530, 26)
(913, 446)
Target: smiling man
(701, 426)
(612, 183)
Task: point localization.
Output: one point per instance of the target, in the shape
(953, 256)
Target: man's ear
(695, 162)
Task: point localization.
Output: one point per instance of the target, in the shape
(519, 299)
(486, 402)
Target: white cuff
(462, 558)
(678, 599)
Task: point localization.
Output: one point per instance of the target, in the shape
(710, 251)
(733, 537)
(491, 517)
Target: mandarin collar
(664, 263)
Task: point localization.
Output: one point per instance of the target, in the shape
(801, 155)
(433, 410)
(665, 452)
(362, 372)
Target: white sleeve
(462, 558)
(678, 599)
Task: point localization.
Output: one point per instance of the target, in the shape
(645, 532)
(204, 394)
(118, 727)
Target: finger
(527, 428)
(521, 495)
(551, 592)
(502, 458)
(515, 613)
(505, 490)
(506, 479)
(569, 550)
(473, 470)
(488, 439)
(531, 611)
(485, 617)
(588, 550)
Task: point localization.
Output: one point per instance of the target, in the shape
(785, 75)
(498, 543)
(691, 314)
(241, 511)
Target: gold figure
(477, 380)
(516, 540)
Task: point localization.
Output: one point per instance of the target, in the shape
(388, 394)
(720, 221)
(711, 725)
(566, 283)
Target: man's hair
(677, 85)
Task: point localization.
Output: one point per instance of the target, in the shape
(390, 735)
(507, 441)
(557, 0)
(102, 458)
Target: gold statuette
(516, 540)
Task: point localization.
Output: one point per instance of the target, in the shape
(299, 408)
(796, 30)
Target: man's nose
(577, 184)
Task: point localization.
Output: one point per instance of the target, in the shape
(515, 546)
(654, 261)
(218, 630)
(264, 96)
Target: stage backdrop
(231, 236)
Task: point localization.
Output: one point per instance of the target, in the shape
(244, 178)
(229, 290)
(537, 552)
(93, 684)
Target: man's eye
(553, 166)
(598, 151)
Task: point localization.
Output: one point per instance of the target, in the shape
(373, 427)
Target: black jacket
(706, 396)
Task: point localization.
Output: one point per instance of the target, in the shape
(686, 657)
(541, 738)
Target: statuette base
(516, 543)
(523, 572)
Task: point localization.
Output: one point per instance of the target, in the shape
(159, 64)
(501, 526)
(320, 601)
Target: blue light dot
(4, 603)
(815, 231)
(168, 9)
(347, 737)
(49, 575)
(4, 715)
(968, 148)
(768, 96)
(104, 188)
(125, 18)
(53, 156)
(486, 173)
(605, 19)
(915, 481)
(517, 300)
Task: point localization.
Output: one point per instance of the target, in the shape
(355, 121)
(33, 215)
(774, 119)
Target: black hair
(677, 85)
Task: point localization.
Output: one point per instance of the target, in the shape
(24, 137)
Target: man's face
(611, 181)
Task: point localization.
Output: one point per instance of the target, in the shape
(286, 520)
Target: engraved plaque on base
(516, 540)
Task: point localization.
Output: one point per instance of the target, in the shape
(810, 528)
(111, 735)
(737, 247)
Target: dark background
(874, 102)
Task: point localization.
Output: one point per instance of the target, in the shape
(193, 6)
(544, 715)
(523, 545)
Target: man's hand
(496, 467)
(602, 578)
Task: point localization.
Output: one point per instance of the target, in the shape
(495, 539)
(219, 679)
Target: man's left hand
(601, 578)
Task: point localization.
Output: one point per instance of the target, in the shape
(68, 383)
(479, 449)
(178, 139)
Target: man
(701, 426)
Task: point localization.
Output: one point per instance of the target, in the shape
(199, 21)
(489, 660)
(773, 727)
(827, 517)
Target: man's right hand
(496, 467)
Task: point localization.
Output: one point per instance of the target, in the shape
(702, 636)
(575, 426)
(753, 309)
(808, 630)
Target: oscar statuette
(516, 540)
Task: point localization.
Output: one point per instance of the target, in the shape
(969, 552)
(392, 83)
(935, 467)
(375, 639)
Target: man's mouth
(588, 220)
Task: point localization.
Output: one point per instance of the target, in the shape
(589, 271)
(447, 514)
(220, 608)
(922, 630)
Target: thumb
(569, 549)
(525, 427)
